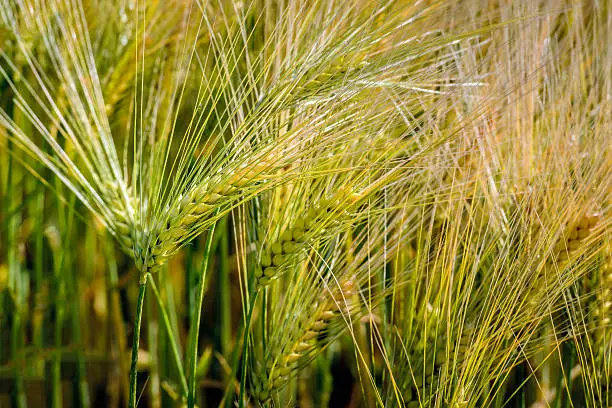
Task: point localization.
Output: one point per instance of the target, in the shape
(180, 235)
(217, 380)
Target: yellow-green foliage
(305, 203)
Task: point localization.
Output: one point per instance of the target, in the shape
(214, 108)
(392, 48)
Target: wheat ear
(601, 308)
(567, 247)
(277, 257)
(427, 372)
(329, 307)
(197, 204)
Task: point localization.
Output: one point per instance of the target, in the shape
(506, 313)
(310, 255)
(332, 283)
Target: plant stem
(133, 370)
(38, 311)
(225, 294)
(118, 343)
(18, 394)
(239, 349)
(153, 347)
(171, 337)
(195, 324)
(62, 273)
(15, 273)
(245, 350)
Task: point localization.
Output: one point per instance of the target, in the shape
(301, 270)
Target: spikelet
(276, 258)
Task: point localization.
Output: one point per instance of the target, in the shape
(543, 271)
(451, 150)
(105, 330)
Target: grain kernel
(276, 248)
(266, 260)
(298, 234)
(327, 315)
(309, 335)
(289, 248)
(302, 346)
(583, 233)
(299, 223)
(292, 358)
(278, 260)
(319, 325)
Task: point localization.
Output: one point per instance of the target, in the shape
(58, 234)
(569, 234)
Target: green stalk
(225, 294)
(81, 387)
(323, 378)
(60, 278)
(38, 233)
(171, 310)
(56, 385)
(118, 344)
(18, 394)
(245, 350)
(153, 345)
(15, 278)
(38, 312)
(189, 272)
(195, 324)
(172, 316)
(171, 337)
(240, 346)
(566, 396)
(142, 286)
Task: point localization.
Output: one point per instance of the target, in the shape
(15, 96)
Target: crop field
(305, 203)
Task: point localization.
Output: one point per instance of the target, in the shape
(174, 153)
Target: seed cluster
(603, 300)
(280, 371)
(573, 239)
(122, 213)
(198, 203)
(276, 258)
(601, 308)
(427, 372)
(563, 252)
(316, 82)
